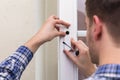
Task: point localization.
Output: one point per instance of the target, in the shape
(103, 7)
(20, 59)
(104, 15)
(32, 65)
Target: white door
(55, 65)
(72, 11)
(67, 11)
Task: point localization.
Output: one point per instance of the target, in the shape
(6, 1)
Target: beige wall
(47, 69)
(18, 22)
(51, 58)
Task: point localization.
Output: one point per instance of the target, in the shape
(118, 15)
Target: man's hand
(48, 31)
(51, 28)
(83, 61)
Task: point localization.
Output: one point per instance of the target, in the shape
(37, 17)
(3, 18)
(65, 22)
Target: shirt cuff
(23, 50)
(15, 64)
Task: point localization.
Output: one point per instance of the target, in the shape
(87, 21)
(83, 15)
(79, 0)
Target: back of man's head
(109, 12)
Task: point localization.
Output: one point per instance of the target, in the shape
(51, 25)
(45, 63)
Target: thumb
(71, 56)
(61, 33)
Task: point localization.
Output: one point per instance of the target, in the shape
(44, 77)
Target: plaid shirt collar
(109, 70)
(106, 72)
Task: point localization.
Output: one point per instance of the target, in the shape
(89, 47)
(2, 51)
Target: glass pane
(83, 39)
(81, 14)
(80, 74)
(81, 26)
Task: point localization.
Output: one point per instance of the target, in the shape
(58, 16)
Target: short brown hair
(109, 12)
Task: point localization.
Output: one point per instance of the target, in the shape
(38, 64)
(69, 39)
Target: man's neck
(110, 55)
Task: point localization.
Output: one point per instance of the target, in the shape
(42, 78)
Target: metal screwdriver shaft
(76, 53)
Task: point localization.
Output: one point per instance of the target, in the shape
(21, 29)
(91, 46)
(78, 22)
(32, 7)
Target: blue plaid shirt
(12, 67)
(106, 72)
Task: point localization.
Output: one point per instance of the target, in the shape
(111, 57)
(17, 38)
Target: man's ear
(97, 29)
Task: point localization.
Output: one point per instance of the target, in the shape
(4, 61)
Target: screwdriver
(76, 53)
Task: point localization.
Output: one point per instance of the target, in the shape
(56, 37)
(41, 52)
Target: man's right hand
(83, 61)
(47, 32)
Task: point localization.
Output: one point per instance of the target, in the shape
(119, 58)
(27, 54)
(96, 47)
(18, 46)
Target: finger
(71, 57)
(73, 43)
(83, 44)
(54, 17)
(79, 44)
(61, 33)
(63, 23)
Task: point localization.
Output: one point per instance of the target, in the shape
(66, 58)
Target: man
(103, 41)
(103, 36)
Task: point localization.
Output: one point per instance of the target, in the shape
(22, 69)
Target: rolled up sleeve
(13, 66)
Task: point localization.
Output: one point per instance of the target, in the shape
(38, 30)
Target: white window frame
(67, 10)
